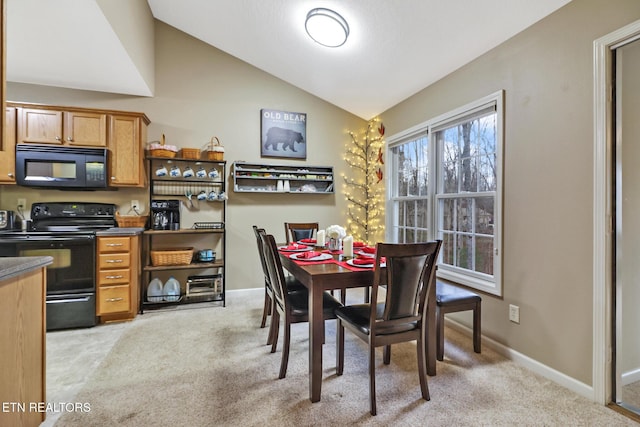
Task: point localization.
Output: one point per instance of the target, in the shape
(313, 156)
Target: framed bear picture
(283, 134)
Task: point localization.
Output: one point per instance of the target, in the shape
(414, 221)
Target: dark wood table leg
(316, 332)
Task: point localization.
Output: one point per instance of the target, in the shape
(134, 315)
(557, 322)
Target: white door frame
(603, 227)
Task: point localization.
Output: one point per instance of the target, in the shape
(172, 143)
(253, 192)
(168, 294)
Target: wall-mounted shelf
(268, 178)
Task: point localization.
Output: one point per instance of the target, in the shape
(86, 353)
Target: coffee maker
(165, 214)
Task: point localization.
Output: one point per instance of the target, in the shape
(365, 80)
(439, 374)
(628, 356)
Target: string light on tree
(364, 189)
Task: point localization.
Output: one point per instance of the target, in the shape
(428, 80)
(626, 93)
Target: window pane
(448, 248)
(464, 215)
(484, 255)
(464, 252)
(448, 214)
(422, 214)
(484, 215)
(487, 173)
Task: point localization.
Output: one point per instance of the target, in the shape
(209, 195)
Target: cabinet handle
(113, 178)
(114, 277)
(10, 174)
(114, 299)
(112, 261)
(58, 138)
(114, 244)
(69, 139)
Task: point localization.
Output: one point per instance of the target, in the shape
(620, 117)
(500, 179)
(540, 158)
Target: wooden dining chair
(295, 231)
(292, 284)
(408, 278)
(293, 306)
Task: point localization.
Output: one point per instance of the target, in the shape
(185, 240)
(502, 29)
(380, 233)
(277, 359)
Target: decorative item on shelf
(174, 256)
(161, 171)
(190, 153)
(335, 233)
(188, 172)
(160, 149)
(215, 151)
(175, 172)
(125, 221)
(201, 173)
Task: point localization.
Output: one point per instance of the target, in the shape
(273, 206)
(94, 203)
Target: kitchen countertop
(121, 231)
(14, 266)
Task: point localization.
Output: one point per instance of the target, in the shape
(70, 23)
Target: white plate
(363, 253)
(300, 242)
(320, 257)
(350, 262)
(284, 249)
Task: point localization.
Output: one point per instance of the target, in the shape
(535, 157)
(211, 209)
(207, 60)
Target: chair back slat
(295, 231)
(258, 232)
(274, 268)
(409, 272)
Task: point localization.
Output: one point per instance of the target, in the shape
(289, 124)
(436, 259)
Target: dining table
(336, 274)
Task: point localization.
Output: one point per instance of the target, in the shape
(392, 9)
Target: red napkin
(308, 240)
(369, 250)
(358, 244)
(295, 246)
(363, 261)
(308, 254)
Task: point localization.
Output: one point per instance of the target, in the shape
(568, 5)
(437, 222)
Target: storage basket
(131, 220)
(190, 153)
(159, 150)
(173, 256)
(215, 155)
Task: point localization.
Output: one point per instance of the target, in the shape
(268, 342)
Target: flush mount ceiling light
(327, 27)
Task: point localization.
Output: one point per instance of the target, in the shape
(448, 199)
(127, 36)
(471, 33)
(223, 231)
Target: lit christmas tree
(364, 188)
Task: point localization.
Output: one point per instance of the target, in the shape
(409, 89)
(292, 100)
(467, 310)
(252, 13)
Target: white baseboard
(630, 377)
(533, 365)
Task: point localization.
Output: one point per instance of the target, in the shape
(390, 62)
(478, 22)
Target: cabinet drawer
(113, 277)
(113, 261)
(113, 299)
(114, 244)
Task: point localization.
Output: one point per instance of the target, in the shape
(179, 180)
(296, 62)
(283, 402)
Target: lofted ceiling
(395, 47)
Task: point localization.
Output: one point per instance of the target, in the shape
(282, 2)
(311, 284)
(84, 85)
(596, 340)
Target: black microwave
(50, 166)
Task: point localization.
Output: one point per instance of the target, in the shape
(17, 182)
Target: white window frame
(491, 284)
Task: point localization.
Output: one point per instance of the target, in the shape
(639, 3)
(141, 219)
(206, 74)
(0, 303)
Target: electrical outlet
(22, 203)
(514, 313)
(135, 205)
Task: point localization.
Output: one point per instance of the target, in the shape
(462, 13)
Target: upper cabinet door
(126, 136)
(85, 128)
(8, 151)
(39, 126)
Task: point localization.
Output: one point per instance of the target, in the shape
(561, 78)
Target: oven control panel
(71, 210)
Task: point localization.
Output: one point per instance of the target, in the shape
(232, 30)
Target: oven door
(73, 267)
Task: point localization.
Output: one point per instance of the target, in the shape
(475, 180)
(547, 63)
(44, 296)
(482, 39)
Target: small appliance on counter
(165, 214)
(9, 221)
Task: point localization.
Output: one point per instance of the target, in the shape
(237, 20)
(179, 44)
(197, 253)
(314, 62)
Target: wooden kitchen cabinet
(23, 343)
(123, 133)
(118, 261)
(60, 127)
(8, 149)
(127, 134)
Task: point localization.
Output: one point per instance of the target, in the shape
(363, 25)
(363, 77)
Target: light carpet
(211, 367)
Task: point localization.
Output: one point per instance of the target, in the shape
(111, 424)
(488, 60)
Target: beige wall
(202, 92)
(547, 74)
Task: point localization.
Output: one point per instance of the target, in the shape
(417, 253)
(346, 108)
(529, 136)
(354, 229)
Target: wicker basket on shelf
(173, 256)
(190, 153)
(215, 151)
(125, 221)
(160, 149)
